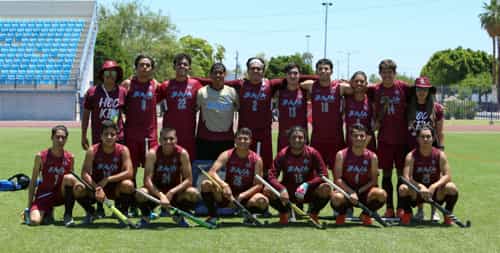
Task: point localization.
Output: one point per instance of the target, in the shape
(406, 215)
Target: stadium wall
(34, 105)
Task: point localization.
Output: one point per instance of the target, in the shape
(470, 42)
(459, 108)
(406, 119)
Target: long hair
(411, 112)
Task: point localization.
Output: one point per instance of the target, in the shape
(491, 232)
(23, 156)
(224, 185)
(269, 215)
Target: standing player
(242, 164)
(427, 167)
(356, 171)
(168, 177)
(326, 98)
(359, 110)
(141, 125)
(292, 105)
(54, 166)
(104, 102)
(423, 111)
(390, 98)
(218, 104)
(108, 168)
(180, 94)
(302, 168)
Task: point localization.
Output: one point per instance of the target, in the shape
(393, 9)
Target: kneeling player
(427, 167)
(356, 171)
(168, 177)
(302, 168)
(53, 165)
(108, 168)
(242, 164)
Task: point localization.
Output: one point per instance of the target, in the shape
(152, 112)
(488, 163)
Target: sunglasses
(109, 73)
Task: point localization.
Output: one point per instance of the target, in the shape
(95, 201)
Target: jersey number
(292, 112)
(324, 106)
(299, 178)
(254, 105)
(181, 104)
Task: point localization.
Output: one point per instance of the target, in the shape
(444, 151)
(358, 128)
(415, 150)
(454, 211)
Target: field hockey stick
(107, 203)
(247, 214)
(176, 210)
(359, 204)
(258, 148)
(436, 205)
(290, 204)
(146, 146)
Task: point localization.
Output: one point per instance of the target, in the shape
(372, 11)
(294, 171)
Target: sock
(69, 201)
(85, 203)
(405, 204)
(450, 200)
(398, 198)
(276, 204)
(209, 200)
(341, 209)
(145, 208)
(375, 204)
(318, 204)
(387, 186)
(125, 200)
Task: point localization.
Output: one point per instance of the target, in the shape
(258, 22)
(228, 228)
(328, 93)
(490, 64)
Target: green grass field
(475, 169)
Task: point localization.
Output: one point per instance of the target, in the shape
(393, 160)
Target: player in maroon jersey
(359, 110)
(108, 168)
(242, 164)
(168, 177)
(356, 171)
(428, 168)
(180, 95)
(104, 101)
(292, 105)
(326, 96)
(302, 168)
(53, 166)
(423, 110)
(141, 127)
(389, 98)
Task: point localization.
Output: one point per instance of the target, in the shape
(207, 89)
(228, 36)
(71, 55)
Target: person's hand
(103, 182)
(226, 191)
(284, 197)
(354, 198)
(100, 196)
(164, 201)
(425, 193)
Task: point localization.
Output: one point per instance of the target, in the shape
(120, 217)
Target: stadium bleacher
(40, 51)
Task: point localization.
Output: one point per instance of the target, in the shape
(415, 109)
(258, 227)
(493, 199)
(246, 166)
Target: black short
(210, 150)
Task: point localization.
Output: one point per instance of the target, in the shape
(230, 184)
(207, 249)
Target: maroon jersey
(358, 112)
(105, 105)
(240, 172)
(167, 169)
(393, 128)
(422, 118)
(140, 107)
(255, 105)
(105, 165)
(181, 106)
(426, 169)
(292, 106)
(356, 169)
(326, 112)
(53, 170)
(307, 167)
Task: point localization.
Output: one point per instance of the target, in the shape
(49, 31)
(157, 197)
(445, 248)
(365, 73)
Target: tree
(374, 79)
(107, 47)
(475, 84)
(277, 64)
(202, 54)
(490, 21)
(451, 66)
(220, 52)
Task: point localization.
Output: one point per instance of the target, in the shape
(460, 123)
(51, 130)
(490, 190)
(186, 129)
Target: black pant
(210, 150)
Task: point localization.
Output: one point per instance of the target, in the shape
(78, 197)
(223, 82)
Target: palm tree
(490, 21)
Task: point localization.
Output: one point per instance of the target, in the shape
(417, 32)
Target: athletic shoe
(447, 220)
(153, 216)
(435, 217)
(212, 220)
(100, 211)
(405, 218)
(267, 214)
(89, 219)
(164, 212)
(420, 214)
(179, 220)
(143, 223)
(366, 219)
(283, 218)
(399, 212)
(68, 221)
(340, 219)
(248, 221)
(389, 213)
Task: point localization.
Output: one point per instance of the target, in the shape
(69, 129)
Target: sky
(407, 31)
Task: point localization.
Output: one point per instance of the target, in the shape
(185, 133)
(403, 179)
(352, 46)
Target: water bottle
(27, 216)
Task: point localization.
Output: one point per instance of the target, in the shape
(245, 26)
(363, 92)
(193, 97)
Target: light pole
(348, 54)
(326, 4)
(307, 42)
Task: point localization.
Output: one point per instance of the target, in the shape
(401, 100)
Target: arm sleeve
(273, 174)
(319, 169)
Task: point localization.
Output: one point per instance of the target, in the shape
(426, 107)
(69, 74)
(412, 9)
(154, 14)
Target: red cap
(422, 82)
(111, 65)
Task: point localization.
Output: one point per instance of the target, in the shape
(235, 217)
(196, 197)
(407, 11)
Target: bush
(460, 109)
